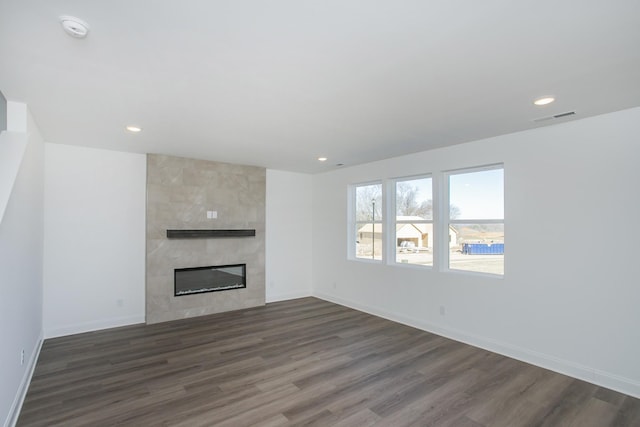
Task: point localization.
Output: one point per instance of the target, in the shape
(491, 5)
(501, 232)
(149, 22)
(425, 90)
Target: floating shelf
(194, 234)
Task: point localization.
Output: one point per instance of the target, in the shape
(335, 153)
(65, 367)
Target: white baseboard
(60, 331)
(566, 367)
(16, 406)
(287, 296)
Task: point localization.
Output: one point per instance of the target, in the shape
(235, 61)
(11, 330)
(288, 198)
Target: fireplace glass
(215, 278)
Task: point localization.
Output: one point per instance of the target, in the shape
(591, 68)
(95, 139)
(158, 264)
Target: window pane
(414, 199)
(414, 243)
(369, 240)
(477, 247)
(369, 202)
(477, 195)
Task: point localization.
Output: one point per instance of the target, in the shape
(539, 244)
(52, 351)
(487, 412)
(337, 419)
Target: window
(413, 241)
(450, 220)
(476, 220)
(368, 221)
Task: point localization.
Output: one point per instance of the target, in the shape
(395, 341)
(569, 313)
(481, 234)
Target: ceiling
(280, 83)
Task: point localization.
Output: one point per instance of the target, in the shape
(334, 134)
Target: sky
(478, 195)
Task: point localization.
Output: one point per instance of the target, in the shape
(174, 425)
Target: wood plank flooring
(301, 362)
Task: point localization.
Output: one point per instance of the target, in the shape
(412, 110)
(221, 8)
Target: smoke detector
(74, 27)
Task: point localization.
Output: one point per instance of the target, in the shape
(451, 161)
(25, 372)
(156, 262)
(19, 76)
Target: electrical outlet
(443, 310)
(335, 285)
(120, 302)
(22, 357)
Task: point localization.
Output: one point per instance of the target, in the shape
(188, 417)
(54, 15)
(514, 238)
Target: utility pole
(373, 230)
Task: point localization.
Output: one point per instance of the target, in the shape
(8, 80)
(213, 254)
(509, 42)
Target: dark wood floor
(301, 362)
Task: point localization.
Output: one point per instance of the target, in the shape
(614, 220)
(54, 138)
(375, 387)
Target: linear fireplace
(215, 278)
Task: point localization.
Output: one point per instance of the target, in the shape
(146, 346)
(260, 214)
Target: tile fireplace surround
(180, 191)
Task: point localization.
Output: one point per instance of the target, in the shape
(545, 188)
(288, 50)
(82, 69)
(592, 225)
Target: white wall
(94, 245)
(21, 231)
(288, 245)
(13, 144)
(569, 297)
(94, 238)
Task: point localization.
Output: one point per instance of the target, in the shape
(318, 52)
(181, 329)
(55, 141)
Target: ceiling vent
(556, 116)
(74, 27)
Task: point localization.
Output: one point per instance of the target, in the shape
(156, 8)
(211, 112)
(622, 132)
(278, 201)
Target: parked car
(408, 246)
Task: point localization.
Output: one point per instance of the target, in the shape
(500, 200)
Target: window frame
(447, 221)
(440, 188)
(393, 221)
(353, 222)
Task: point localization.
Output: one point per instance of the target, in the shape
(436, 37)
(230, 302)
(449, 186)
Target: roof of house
(408, 228)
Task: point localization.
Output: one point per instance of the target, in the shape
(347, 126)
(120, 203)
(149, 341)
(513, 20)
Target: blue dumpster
(483, 248)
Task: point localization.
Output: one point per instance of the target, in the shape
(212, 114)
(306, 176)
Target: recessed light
(322, 159)
(133, 129)
(544, 100)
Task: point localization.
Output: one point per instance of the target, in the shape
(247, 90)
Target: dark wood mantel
(191, 234)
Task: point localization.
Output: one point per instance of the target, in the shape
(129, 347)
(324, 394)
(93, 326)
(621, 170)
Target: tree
(368, 198)
(407, 201)
(454, 211)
